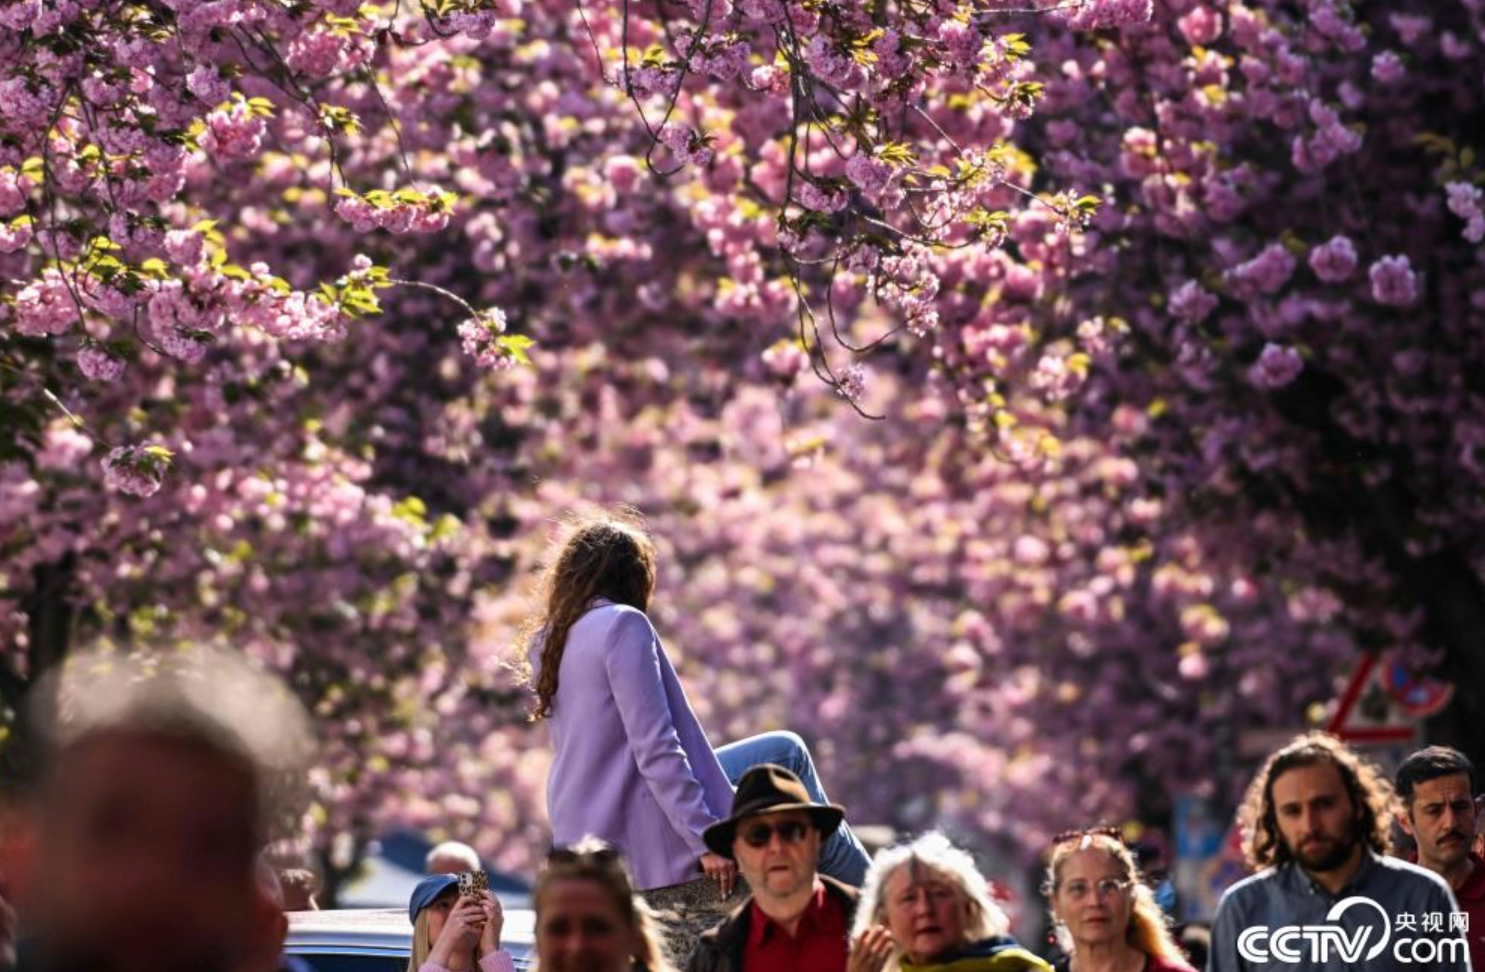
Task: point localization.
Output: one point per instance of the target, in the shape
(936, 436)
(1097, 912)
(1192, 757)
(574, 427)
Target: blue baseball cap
(428, 891)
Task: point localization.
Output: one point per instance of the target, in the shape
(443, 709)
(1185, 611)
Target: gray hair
(203, 696)
(934, 852)
(461, 852)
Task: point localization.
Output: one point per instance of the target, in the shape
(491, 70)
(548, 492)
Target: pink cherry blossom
(1334, 261)
(1276, 367)
(1393, 281)
(133, 470)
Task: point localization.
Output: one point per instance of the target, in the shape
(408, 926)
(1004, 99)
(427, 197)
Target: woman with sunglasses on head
(632, 764)
(925, 906)
(1105, 916)
(454, 932)
(588, 918)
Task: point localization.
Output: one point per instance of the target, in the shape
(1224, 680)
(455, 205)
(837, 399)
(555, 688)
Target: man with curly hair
(1315, 827)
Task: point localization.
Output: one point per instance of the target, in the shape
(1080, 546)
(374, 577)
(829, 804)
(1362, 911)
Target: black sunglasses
(790, 831)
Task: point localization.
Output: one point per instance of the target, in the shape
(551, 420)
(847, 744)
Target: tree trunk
(50, 612)
(1442, 582)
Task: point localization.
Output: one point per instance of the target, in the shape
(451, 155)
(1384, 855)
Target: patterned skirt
(686, 910)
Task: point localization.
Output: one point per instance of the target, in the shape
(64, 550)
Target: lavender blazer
(632, 764)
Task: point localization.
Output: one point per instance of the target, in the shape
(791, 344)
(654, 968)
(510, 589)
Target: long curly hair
(606, 555)
(1149, 929)
(1369, 790)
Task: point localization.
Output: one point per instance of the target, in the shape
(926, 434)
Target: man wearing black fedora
(796, 918)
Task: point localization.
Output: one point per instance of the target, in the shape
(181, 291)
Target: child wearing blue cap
(454, 933)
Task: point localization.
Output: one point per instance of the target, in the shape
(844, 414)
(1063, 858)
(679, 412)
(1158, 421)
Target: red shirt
(1471, 898)
(818, 945)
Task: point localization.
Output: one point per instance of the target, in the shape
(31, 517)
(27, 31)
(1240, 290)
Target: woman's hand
(461, 933)
(494, 923)
(721, 870)
(870, 950)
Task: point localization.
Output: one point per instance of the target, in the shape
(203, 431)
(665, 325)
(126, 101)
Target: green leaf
(444, 527)
(337, 118)
(411, 509)
(998, 221)
(1015, 46)
(515, 345)
(896, 153)
(1436, 143)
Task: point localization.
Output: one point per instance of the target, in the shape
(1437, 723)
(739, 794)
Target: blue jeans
(842, 856)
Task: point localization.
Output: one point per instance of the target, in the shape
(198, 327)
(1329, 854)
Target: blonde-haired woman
(632, 764)
(588, 917)
(1105, 915)
(453, 933)
(926, 906)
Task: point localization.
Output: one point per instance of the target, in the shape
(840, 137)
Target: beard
(1327, 856)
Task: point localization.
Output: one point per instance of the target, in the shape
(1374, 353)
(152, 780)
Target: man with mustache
(1315, 821)
(1436, 789)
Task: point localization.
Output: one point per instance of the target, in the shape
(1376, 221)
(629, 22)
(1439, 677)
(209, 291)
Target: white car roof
(384, 931)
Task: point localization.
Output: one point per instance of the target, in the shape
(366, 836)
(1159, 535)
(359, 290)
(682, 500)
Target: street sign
(1385, 701)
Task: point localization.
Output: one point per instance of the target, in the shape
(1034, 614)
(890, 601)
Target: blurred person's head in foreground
(269, 929)
(7, 931)
(588, 916)
(451, 857)
(160, 778)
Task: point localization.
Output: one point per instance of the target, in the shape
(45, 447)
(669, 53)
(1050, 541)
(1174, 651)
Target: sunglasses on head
(1091, 832)
(597, 855)
(759, 834)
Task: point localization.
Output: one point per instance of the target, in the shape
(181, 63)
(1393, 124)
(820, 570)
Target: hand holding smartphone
(473, 884)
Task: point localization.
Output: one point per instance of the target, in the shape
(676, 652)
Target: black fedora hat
(770, 789)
